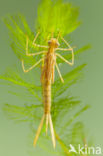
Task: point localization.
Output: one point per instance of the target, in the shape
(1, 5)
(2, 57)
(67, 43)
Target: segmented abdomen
(46, 81)
(47, 97)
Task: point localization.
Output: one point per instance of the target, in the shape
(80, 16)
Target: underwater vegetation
(53, 16)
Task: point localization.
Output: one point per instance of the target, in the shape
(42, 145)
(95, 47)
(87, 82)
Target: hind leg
(59, 73)
(27, 70)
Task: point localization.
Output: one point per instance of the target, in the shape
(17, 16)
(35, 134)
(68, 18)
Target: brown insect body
(47, 77)
(48, 74)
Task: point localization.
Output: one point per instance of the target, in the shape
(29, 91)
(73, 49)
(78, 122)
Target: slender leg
(58, 35)
(38, 53)
(66, 42)
(42, 73)
(32, 54)
(65, 49)
(30, 67)
(59, 73)
(40, 46)
(36, 36)
(37, 45)
(70, 63)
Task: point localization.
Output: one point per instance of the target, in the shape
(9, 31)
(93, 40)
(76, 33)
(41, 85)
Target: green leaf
(57, 16)
(54, 17)
(65, 104)
(69, 79)
(74, 117)
(68, 55)
(14, 78)
(22, 113)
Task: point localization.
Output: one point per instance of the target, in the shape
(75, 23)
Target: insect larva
(47, 77)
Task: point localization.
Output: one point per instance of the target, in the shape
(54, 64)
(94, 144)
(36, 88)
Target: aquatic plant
(53, 16)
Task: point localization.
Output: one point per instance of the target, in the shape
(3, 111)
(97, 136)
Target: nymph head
(53, 42)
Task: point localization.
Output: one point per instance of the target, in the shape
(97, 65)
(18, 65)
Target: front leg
(60, 75)
(32, 54)
(37, 45)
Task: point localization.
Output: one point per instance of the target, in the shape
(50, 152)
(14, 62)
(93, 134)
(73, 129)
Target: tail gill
(48, 122)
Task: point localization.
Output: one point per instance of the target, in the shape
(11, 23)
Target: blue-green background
(14, 137)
